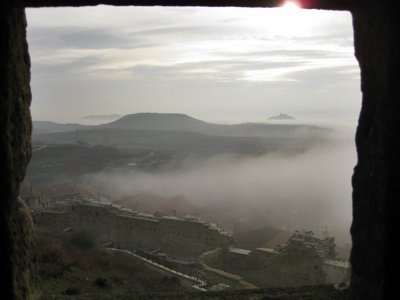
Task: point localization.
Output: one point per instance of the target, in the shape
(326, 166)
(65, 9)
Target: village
(194, 250)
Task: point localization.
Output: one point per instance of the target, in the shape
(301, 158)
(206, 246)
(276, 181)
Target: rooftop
(239, 251)
(267, 250)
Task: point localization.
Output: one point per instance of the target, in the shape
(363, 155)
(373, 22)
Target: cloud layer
(311, 189)
(216, 64)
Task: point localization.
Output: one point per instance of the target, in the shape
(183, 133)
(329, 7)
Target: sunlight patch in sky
(133, 59)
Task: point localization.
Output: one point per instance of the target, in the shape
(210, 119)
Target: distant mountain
(167, 140)
(42, 127)
(159, 121)
(282, 117)
(182, 122)
(110, 117)
(181, 132)
(55, 163)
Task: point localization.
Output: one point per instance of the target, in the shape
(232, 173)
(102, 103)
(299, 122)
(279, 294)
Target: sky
(222, 65)
(226, 65)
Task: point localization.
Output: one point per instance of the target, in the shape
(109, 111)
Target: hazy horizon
(225, 65)
(345, 126)
(219, 65)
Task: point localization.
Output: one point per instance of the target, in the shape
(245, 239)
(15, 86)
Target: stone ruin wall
(178, 238)
(268, 269)
(303, 260)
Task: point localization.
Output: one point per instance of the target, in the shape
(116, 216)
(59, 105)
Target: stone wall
(17, 271)
(268, 268)
(336, 272)
(374, 231)
(179, 238)
(304, 260)
(376, 245)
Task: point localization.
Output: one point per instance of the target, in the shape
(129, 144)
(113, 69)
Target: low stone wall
(179, 238)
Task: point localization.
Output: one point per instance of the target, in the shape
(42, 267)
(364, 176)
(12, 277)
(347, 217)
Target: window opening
(229, 128)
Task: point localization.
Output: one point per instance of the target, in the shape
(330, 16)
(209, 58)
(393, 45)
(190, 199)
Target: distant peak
(102, 117)
(158, 121)
(154, 114)
(282, 116)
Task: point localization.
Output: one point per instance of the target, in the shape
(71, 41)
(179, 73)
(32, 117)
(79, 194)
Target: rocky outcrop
(375, 249)
(16, 252)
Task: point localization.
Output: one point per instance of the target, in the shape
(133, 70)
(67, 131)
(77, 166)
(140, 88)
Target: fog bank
(312, 188)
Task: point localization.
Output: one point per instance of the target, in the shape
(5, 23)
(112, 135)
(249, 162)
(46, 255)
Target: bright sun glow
(291, 20)
(290, 5)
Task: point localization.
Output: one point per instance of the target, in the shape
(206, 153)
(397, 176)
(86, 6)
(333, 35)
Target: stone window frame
(375, 189)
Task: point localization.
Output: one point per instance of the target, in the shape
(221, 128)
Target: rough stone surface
(375, 188)
(376, 191)
(16, 251)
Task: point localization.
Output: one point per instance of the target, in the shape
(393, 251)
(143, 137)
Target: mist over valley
(295, 176)
(180, 149)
